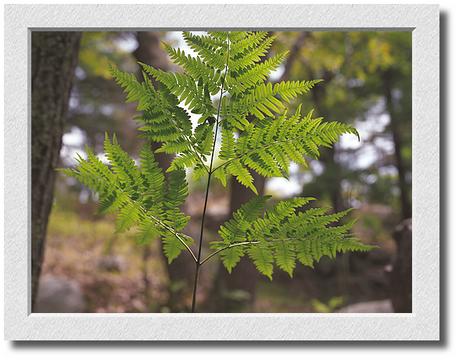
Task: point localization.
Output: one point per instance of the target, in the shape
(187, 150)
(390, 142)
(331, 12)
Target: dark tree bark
(54, 57)
(293, 54)
(405, 202)
(401, 276)
(332, 178)
(180, 272)
(332, 173)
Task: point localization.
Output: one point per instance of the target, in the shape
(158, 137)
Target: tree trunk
(401, 277)
(332, 170)
(54, 57)
(180, 272)
(405, 202)
(331, 177)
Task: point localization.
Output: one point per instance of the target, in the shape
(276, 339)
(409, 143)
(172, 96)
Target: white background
(447, 349)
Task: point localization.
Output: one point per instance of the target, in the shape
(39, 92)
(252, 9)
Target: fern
(258, 134)
(282, 235)
(269, 145)
(141, 196)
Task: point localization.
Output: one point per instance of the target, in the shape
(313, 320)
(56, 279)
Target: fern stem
(198, 264)
(197, 154)
(226, 248)
(209, 178)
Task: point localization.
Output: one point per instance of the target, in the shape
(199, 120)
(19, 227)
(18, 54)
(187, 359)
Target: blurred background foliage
(367, 83)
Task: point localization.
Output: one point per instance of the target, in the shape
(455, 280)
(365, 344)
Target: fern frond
(210, 48)
(268, 146)
(128, 216)
(204, 135)
(246, 41)
(262, 257)
(147, 231)
(173, 247)
(196, 68)
(242, 175)
(234, 230)
(264, 100)
(163, 120)
(176, 194)
(257, 74)
(140, 195)
(227, 150)
(124, 167)
(135, 91)
(154, 181)
(249, 57)
(195, 94)
(282, 235)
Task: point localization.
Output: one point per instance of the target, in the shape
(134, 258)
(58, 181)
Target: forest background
(87, 267)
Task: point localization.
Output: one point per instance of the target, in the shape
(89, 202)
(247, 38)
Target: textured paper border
(422, 324)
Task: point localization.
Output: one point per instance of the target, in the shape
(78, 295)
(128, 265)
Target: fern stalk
(209, 179)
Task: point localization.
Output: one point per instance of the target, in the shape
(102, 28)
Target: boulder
(59, 295)
(112, 263)
(380, 306)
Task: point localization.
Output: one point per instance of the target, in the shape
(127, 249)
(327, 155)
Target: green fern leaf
(211, 49)
(242, 175)
(147, 232)
(262, 257)
(127, 217)
(173, 247)
(135, 91)
(257, 74)
(282, 234)
(285, 256)
(250, 56)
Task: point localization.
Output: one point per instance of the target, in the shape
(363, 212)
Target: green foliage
(269, 145)
(257, 133)
(141, 196)
(329, 306)
(283, 234)
(234, 65)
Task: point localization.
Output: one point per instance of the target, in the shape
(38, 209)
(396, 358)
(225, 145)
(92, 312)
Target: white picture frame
(422, 324)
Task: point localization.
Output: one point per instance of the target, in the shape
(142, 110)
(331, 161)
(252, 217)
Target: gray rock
(381, 306)
(59, 295)
(112, 263)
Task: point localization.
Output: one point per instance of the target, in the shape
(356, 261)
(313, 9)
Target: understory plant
(225, 84)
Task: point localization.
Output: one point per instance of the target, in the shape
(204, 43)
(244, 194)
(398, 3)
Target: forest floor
(115, 276)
